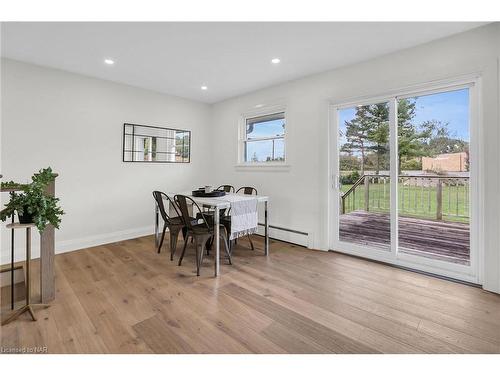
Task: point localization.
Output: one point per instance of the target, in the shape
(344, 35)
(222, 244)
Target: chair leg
(226, 247)
(198, 248)
(203, 246)
(227, 227)
(162, 238)
(231, 246)
(209, 245)
(174, 235)
(251, 243)
(183, 252)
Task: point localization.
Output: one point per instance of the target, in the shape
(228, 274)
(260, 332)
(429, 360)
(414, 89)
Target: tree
(440, 139)
(410, 138)
(378, 133)
(369, 131)
(348, 162)
(357, 134)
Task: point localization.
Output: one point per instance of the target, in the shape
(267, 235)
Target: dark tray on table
(202, 194)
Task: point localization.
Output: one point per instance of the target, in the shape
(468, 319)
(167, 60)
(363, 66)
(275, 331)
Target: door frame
(472, 273)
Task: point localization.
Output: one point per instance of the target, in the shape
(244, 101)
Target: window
(264, 138)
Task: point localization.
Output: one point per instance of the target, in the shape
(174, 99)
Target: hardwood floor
(125, 298)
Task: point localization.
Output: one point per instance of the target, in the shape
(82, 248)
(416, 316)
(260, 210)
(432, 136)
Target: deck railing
(432, 197)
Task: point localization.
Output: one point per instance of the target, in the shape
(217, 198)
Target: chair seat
(202, 229)
(178, 220)
(209, 215)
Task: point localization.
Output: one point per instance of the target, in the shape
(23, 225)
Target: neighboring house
(455, 162)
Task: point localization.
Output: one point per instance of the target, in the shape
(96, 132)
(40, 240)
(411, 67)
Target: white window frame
(472, 273)
(242, 136)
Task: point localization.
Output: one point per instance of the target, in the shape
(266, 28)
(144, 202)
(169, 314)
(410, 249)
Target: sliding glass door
(403, 189)
(364, 180)
(434, 176)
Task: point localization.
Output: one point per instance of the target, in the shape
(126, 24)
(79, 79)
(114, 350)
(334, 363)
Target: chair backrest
(247, 190)
(158, 197)
(226, 188)
(182, 202)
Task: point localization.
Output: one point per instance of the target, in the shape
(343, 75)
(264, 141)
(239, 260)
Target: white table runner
(244, 215)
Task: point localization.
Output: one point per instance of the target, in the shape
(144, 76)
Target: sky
(263, 149)
(450, 106)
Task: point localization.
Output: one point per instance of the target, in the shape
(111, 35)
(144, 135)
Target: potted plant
(31, 202)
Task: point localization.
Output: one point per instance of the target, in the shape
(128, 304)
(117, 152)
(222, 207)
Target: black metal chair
(200, 232)
(210, 214)
(247, 190)
(174, 224)
(226, 220)
(226, 188)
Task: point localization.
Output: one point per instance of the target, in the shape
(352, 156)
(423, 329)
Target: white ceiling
(230, 58)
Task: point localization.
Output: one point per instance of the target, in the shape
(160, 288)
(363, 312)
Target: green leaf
(33, 198)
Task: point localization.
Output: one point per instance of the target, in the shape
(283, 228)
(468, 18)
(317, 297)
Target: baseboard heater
(292, 236)
(286, 229)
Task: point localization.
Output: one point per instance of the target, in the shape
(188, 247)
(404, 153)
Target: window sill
(263, 167)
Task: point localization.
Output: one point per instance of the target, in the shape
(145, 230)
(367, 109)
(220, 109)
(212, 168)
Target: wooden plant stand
(28, 306)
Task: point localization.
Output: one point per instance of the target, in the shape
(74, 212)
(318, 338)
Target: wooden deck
(433, 239)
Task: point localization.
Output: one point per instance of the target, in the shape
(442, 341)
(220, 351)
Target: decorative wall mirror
(152, 144)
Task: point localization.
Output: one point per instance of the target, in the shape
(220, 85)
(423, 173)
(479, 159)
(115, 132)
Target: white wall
(299, 195)
(74, 124)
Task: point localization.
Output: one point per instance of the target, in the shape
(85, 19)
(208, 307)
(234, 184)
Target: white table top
(218, 202)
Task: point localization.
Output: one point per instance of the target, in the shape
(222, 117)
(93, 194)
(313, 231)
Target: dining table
(217, 204)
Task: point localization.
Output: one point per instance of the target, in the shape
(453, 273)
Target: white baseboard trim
(77, 244)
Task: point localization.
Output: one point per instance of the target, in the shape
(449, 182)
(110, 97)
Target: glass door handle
(336, 182)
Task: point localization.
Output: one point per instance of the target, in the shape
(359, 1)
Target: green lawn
(415, 201)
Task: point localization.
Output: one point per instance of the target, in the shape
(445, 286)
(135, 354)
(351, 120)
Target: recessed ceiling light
(109, 61)
(275, 60)
(204, 87)
(259, 105)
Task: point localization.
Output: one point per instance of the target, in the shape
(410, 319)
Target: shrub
(350, 178)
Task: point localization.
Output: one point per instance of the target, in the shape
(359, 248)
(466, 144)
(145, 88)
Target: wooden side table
(28, 307)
